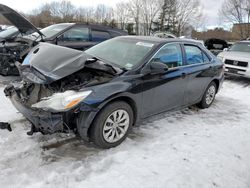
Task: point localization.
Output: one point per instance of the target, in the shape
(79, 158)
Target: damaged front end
(15, 49)
(53, 88)
(42, 121)
(12, 51)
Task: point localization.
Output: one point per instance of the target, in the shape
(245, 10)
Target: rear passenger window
(194, 55)
(99, 36)
(171, 55)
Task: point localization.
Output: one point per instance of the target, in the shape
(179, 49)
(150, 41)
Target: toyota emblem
(235, 63)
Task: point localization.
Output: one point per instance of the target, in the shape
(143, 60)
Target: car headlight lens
(62, 101)
(220, 58)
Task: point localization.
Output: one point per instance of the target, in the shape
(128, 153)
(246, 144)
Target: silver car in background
(237, 59)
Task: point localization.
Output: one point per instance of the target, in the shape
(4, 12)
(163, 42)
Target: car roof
(64, 24)
(244, 41)
(99, 26)
(159, 40)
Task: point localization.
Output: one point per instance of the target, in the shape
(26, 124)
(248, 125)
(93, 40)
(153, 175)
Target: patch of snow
(188, 148)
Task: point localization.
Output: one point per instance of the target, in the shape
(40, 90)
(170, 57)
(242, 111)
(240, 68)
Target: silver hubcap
(210, 94)
(116, 126)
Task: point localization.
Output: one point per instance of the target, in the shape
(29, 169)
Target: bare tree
(168, 15)
(179, 16)
(89, 14)
(188, 12)
(122, 14)
(232, 11)
(150, 10)
(64, 11)
(134, 8)
(85, 15)
(236, 11)
(103, 13)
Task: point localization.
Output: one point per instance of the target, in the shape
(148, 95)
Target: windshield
(241, 47)
(52, 30)
(8, 32)
(123, 52)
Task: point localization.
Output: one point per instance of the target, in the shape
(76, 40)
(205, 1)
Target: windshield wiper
(113, 68)
(91, 60)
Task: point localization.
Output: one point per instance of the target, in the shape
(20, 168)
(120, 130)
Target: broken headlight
(62, 101)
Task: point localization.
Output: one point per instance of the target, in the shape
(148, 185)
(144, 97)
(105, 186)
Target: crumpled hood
(239, 56)
(54, 62)
(22, 24)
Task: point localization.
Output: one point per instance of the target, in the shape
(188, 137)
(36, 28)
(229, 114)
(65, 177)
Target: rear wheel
(112, 125)
(209, 96)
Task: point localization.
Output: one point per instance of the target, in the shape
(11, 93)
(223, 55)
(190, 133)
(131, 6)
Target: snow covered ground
(190, 148)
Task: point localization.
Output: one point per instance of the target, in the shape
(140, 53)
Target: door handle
(183, 75)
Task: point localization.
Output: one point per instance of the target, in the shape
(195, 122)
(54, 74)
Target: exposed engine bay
(12, 51)
(31, 93)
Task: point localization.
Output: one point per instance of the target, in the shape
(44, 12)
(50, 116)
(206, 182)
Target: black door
(77, 37)
(165, 92)
(200, 72)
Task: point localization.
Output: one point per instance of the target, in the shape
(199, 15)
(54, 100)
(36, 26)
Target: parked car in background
(72, 35)
(216, 45)
(77, 36)
(9, 34)
(237, 59)
(165, 35)
(192, 40)
(102, 92)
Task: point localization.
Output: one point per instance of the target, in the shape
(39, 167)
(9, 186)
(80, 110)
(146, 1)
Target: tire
(209, 96)
(115, 132)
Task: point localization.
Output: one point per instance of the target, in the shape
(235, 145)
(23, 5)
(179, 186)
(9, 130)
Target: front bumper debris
(42, 121)
(4, 125)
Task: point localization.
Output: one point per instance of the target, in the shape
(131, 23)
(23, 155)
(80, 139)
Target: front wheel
(112, 125)
(209, 96)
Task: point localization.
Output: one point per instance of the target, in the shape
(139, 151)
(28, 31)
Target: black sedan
(77, 36)
(102, 92)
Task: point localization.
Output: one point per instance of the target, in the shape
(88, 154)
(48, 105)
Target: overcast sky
(211, 7)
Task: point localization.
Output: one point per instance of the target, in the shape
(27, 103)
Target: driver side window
(76, 34)
(171, 55)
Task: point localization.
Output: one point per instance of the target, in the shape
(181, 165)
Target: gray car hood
(53, 62)
(23, 25)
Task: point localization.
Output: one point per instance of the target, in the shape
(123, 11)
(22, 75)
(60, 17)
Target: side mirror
(158, 68)
(225, 49)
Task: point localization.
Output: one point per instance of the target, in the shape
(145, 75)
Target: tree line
(237, 12)
(137, 16)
